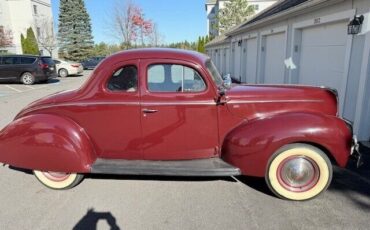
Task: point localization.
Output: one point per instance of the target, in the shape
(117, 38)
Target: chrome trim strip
(126, 103)
(179, 103)
(355, 145)
(270, 101)
(97, 103)
(80, 104)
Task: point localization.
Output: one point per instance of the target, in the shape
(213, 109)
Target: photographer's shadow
(91, 219)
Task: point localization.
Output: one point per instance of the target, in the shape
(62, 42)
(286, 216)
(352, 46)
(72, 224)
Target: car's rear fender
(250, 145)
(46, 142)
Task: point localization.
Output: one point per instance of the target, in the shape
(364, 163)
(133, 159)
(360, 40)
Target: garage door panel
(325, 35)
(322, 58)
(237, 62)
(274, 58)
(251, 61)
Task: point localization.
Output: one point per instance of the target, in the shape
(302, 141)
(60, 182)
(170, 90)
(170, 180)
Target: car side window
(174, 78)
(27, 60)
(11, 60)
(124, 79)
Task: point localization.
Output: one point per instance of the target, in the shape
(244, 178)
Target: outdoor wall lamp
(240, 42)
(354, 26)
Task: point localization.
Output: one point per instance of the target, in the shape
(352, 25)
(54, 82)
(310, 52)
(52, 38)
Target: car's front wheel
(58, 181)
(299, 172)
(27, 78)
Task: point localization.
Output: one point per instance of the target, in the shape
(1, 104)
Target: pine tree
(32, 46)
(23, 40)
(75, 33)
(234, 13)
(29, 43)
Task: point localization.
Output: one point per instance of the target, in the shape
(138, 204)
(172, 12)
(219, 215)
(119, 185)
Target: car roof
(18, 55)
(161, 53)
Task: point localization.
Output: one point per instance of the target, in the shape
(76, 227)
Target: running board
(202, 167)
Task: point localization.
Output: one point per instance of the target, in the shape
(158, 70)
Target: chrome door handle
(150, 110)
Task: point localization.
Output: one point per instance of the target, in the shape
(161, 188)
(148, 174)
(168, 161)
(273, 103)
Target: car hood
(256, 101)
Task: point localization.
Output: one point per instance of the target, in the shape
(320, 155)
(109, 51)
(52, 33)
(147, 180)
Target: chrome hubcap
(56, 176)
(298, 174)
(27, 79)
(63, 73)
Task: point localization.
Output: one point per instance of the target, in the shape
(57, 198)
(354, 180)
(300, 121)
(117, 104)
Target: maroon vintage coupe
(169, 112)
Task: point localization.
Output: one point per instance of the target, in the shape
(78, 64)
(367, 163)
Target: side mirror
(227, 81)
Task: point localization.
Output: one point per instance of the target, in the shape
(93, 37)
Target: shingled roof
(277, 8)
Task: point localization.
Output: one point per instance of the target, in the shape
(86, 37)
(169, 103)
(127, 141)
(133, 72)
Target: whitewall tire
(58, 181)
(299, 172)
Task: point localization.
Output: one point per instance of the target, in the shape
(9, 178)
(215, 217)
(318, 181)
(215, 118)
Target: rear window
(47, 60)
(28, 60)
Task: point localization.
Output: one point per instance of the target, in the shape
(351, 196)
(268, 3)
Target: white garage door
(274, 68)
(237, 61)
(251, 61)
(322, 57)
(226, 68)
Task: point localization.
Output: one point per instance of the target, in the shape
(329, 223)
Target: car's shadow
(50, 81)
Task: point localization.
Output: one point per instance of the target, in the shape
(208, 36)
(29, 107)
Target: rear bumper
(355, 152)
(45, 77)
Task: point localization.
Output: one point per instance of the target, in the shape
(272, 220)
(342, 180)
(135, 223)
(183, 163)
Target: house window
(34, 9)
(256, 7)
(38, 31)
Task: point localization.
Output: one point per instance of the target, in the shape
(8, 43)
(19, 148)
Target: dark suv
(26, 69)
(92, 62)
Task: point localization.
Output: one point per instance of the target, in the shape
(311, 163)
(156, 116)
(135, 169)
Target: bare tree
(6, 37)
(122, 22)
(156, 39)
(45, 34)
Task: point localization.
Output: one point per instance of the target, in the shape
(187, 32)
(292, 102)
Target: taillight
(43, 65)
(76, 66)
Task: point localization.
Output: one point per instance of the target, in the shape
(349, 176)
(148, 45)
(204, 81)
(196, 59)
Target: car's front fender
(46, 142)
(250, 145)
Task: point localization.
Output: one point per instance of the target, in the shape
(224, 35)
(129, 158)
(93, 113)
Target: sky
(177, 20)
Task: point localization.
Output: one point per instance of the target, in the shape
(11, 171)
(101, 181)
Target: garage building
(305, 42)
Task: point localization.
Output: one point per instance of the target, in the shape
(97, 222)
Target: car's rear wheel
(27, 78)
(63, 73)
(299, 172)
(58, 181)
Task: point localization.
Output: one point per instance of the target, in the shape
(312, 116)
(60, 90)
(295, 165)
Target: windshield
(216, 77)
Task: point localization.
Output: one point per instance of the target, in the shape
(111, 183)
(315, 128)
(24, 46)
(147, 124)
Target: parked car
(66, 68)
(92, 62)
(169, 112)
(26, 69)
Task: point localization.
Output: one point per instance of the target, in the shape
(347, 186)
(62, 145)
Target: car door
(58, 65)
(179, 114)
(1, 69)
(10, 67)
(112, 116)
